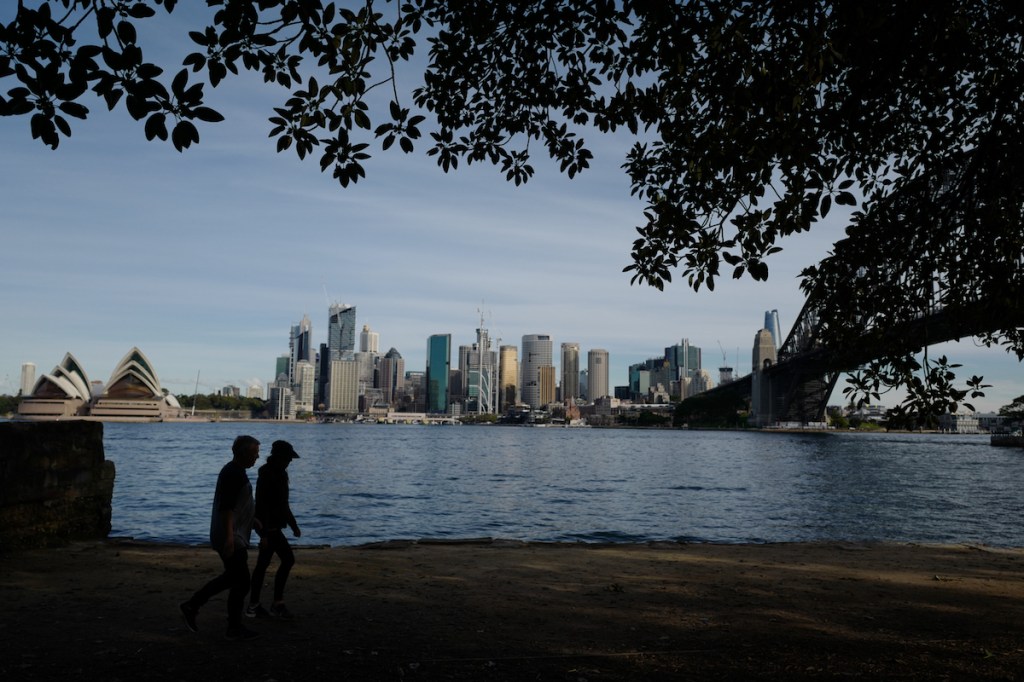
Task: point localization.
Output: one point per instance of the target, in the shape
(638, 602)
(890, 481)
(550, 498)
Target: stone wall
(55, 484)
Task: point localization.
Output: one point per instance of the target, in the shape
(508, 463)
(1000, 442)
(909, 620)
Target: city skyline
(205, 259)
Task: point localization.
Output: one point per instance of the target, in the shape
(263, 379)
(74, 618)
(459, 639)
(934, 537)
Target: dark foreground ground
(512, 611)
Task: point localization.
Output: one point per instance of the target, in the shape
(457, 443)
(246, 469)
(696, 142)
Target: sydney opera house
(132, 393)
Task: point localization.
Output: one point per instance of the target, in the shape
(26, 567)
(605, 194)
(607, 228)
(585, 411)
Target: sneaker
(240, 633)
(281, 611)
(189, 612)
(256, 611)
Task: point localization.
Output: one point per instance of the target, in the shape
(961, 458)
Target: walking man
(231, 524)
(273, 513)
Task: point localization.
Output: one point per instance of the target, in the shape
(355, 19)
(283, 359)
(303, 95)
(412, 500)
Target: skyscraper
(477, 373)
(300, 346)
(597, 374)
(771, 323)
(28, 378)
(341, 332)
(684, 360)
(508, 373)
(439, 360)
(369, 341)
(546, 377)
(537, 352)
(570, 371)
(391, 376)
(303, 385)
(343, 395)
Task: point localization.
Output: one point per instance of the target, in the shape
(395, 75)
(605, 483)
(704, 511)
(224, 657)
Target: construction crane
(724, 372)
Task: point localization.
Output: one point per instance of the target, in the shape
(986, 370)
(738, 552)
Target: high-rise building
(597, 374)
(367, 370)
(300, 345)
(254, 391)
(28, 378)
(683, 359)
(303, 386)
(391, 376)
(537, 352)
(280, 401)
(570, 371)
(341, 331)
(478, 366)
(771, 323)
(369, 341)
(439, 359)
(508, 377)
(344, 387)
(546, 381)
(281, 368)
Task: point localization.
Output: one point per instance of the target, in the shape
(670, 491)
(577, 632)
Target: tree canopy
(752, 121)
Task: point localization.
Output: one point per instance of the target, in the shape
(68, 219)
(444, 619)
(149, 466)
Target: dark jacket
(272, 507)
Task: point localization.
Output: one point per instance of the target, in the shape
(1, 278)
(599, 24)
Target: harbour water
(356, 484)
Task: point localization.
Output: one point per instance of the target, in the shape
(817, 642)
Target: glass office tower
(439, 360)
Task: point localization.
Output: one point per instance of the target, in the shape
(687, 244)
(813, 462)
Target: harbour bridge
(796, 387)
(897, 305)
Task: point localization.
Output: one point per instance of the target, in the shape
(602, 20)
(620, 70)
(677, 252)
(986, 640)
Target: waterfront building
(570, 372)
(134, 392)
(959, 423)
(64, 392)
(438, 370)
(508, 377)
(255, 391)
(343, 397)
(537, 352)
(28, 378)
(597, 374)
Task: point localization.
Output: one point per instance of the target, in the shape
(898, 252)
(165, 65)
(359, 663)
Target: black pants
(273, 542)
(235, 579)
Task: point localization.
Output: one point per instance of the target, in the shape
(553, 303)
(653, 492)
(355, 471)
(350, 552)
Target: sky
(205, 259)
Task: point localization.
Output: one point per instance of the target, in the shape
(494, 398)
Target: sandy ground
(512, 611)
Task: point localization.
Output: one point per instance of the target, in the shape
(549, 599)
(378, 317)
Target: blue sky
(205, 259)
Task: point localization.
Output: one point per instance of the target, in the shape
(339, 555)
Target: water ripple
(357, 484)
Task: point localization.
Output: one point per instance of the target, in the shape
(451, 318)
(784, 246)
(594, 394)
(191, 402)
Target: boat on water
(1008, 439)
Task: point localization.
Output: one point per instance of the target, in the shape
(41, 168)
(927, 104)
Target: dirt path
(512, 611)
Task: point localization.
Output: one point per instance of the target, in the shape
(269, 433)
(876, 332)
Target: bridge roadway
(796, 388)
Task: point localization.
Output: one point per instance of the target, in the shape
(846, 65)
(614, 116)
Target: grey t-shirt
(233, 493)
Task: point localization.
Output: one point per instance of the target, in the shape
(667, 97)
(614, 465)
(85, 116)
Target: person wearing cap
(274, 513)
